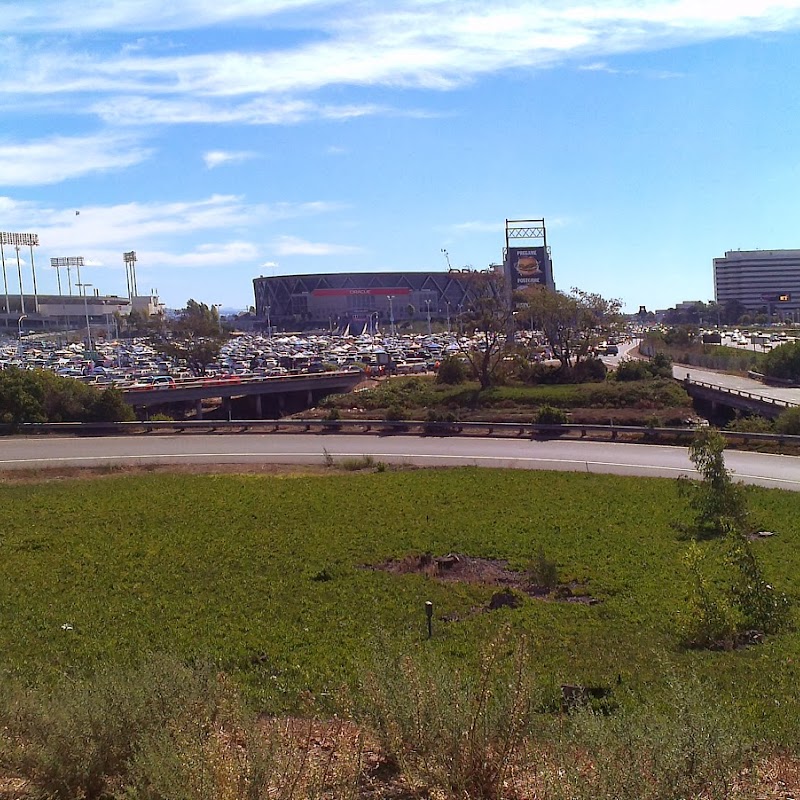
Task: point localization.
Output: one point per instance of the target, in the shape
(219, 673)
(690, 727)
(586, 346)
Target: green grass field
(228, 568)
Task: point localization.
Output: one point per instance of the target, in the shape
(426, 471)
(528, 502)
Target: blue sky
(226, 139)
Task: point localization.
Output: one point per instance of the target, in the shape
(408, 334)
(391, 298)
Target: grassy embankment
(266, 577)
(660, 401)
(265, 580)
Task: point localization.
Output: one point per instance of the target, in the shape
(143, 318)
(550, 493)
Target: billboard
(527, 266)
(777, 297)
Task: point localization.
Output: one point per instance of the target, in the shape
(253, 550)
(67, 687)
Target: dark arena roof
(334, 300)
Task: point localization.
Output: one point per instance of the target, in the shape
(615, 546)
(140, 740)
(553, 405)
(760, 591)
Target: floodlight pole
(19, 274)
(391, 314)
(5, 276)
(58, 274)
(33, 273)
(428, 304)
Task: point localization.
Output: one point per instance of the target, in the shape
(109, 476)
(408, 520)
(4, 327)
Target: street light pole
(19, 335)
(269, 324)
(428, 305)
(391, 313)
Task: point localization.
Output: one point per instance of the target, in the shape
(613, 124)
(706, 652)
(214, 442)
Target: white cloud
(214, 158)
(294, 246)
(269, 264)
(439, 44)
(59, 158)
(139, 15)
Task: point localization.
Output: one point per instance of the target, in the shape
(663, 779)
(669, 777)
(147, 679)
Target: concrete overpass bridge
(736, 392)
(257, 397)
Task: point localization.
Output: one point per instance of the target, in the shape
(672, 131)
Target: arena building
(358, 301)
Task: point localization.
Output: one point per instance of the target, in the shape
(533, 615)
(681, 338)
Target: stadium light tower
(18, 240)
(129, 259)
(68, 262)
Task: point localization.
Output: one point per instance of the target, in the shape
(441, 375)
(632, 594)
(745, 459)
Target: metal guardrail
(228, 380)
(417, 427)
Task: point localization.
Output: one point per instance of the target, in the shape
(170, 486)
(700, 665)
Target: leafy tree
(571, 323)
(718, 503)
(733, 311)
(488, 317)
(198, 320)
(41, 396)
(783, 362)
(196, 337)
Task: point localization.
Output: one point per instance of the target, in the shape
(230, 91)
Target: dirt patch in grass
(459, 568)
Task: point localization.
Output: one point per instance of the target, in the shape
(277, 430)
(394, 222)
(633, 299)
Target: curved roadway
(247, 448)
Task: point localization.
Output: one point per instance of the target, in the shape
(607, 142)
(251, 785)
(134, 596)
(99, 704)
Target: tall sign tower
(527, 256)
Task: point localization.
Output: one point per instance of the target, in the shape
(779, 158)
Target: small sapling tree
(719, 504)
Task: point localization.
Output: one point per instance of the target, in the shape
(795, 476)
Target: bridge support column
(310, 399)
(227, 407)
(259, 411)
(198, 409)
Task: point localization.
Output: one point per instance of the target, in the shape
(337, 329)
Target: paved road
(606, 457)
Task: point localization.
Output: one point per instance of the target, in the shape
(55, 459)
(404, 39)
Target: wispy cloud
(476, 226)
(214, 158)
(135, 225)
(140, 111)
(204, 255)
(602, 66)
(59, 158)
(294, 246)
(441, 44)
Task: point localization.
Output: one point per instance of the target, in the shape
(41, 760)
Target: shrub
(358, 463)
(751, 425)
(681, 744)
(549, 415)
(451, 371)
(41, 396)
(395, 413)
(788, 422)
(456, 732)
(708, 619)
(440, 421)
(783, 362)
(542, 571)
(631, 370)
(76, 739)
